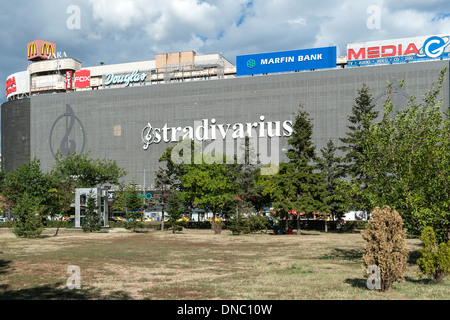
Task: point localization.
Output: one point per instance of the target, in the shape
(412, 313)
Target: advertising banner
(18, 83)
(286, 61)
(69, 80)
(398, 51)
(82, 79)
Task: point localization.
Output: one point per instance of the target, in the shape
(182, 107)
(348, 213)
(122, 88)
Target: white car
(3, 219)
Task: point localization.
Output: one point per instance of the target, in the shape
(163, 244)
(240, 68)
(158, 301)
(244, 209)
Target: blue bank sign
(286, 61)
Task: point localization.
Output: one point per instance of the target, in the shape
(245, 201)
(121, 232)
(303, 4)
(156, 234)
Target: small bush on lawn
(386, 246)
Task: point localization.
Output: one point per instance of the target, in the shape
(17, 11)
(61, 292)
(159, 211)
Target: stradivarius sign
(210, 130)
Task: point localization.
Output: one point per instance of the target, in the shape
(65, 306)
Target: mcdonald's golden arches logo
(40, 50)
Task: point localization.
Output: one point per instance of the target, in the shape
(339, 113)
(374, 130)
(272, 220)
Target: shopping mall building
(132, 112)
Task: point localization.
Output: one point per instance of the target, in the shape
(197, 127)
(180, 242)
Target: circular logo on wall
(434, 47)
(67, 134)
(251, 63)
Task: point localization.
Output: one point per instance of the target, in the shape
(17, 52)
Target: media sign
(82, 79)
(398, 50)
(286, 61)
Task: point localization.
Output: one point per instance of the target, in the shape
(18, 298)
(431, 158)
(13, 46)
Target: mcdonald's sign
(40, 50)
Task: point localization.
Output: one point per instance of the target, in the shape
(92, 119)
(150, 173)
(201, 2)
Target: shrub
(29, 224)
(91, 221)
(435, 259)
(386, 246)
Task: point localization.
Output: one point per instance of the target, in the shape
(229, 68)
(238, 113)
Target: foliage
(332, 169)
(298, 185)
(251, 223)
(385, 246)
(92, 220)
(133, 207)
(435, 258)
(408, 162)
(28, 212)
(27, 179)
(362, 117)
(175, 211)
(87, 172)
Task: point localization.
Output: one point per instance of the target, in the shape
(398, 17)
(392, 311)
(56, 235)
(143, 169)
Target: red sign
(40, 50)
(82, 79)
(69, 80)
(11, 86)
(382, 52)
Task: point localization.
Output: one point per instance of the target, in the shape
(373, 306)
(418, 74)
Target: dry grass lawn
(197, 264)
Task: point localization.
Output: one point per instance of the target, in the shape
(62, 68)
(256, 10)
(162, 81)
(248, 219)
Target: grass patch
(197, 264)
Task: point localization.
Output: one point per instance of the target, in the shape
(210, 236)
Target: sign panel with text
(286, 61)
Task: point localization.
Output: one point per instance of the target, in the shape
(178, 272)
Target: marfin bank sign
(286, 61)
(398, 50)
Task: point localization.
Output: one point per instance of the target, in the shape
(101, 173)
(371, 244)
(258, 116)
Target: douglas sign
(398, 51)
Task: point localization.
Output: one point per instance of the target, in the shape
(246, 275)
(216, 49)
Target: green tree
(92, 220)
(133, 207)
(332, 169)
(28, 211)
(176, 211)
(28, 179)
(435, 258)
(87, 172)
(408, 163)
(298, 185)
(363, 115)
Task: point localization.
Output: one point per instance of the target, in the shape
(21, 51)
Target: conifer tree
(363, 114)
(91, 221)
(298, 186)
(332, 169)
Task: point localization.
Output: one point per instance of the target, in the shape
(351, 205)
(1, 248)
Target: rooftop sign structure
(40, 50)
(398, 50)
(286, 61)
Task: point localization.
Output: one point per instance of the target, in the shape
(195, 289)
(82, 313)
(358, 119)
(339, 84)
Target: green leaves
(407, 160)
(87, 172)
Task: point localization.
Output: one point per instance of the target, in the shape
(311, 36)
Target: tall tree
(92, 220)
(362, 116)
(332, 169)
(298, 186)
(409, 163)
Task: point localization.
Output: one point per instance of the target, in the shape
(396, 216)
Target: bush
(386, 246)
(250, 224)
(29, 226)
(435, 259)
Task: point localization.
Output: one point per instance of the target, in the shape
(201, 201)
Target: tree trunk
(59, 225)
(299, 231)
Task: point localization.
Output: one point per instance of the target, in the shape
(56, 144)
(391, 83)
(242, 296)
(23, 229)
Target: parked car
(4, 219)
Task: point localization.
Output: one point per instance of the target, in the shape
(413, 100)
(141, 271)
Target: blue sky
(115, 31)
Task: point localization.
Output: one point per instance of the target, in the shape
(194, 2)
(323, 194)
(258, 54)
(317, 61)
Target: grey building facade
(110, 123)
